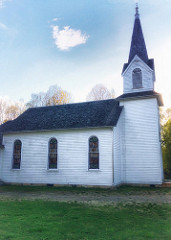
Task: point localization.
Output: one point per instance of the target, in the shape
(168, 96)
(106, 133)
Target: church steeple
(138, 46)
(138, 73)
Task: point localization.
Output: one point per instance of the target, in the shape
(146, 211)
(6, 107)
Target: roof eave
(128, 66)
(158, 96)
(56, 129)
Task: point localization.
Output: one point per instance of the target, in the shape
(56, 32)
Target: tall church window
(93, 153)
(137, 78)
(52, 163)
(17, 154)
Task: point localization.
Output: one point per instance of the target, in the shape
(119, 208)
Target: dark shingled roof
(138, 46)
(103, 113)
(144, 94)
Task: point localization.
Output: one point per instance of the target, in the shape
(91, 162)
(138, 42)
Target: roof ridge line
(73, 103)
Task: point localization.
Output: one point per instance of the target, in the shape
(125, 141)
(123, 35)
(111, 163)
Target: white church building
(105, 143)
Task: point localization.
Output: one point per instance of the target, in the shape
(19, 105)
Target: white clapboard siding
(143, 161)
(119, 147)
(147, 76)
(1, 159)
(72, 158)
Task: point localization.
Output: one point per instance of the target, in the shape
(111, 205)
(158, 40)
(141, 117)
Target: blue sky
(77, 44)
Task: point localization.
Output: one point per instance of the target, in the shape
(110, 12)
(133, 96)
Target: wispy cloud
(68, 37)
(2, 3)
(3, 26)
(56, 19)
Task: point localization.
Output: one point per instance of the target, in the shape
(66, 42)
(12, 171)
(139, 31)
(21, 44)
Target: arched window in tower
(93, 153)
(137, 78)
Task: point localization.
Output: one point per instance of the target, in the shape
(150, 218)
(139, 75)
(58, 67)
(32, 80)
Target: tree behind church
(100, 92)
(166, 143)
(10, 110)
(14, 110)
(54, 96)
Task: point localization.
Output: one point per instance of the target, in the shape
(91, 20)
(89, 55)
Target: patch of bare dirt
(89, 197)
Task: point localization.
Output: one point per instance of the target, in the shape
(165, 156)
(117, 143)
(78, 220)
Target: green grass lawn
(44, 220)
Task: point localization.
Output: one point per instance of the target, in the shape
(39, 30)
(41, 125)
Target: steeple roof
(138, 46)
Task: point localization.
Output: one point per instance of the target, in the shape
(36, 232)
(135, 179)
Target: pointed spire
(137, 11)
(138, 46)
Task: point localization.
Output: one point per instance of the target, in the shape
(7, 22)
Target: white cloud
(68, 37)
(55, 19)
(3, 26)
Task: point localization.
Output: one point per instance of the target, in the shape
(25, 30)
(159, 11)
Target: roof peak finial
(137, 10)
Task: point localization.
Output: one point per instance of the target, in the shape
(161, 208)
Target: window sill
(137, 88)
(94, 170)
(15, 169)
(52, 170)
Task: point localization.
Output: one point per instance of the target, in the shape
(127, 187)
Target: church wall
(1, 157)
(119, 146)
(147, 77)
(72, 158)
(142, 143)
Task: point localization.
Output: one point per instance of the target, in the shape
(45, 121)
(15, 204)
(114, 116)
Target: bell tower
(138, 73)
(140, 156)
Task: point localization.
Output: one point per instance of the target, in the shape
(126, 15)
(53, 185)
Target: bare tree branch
(54, 96)
(100, 92)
